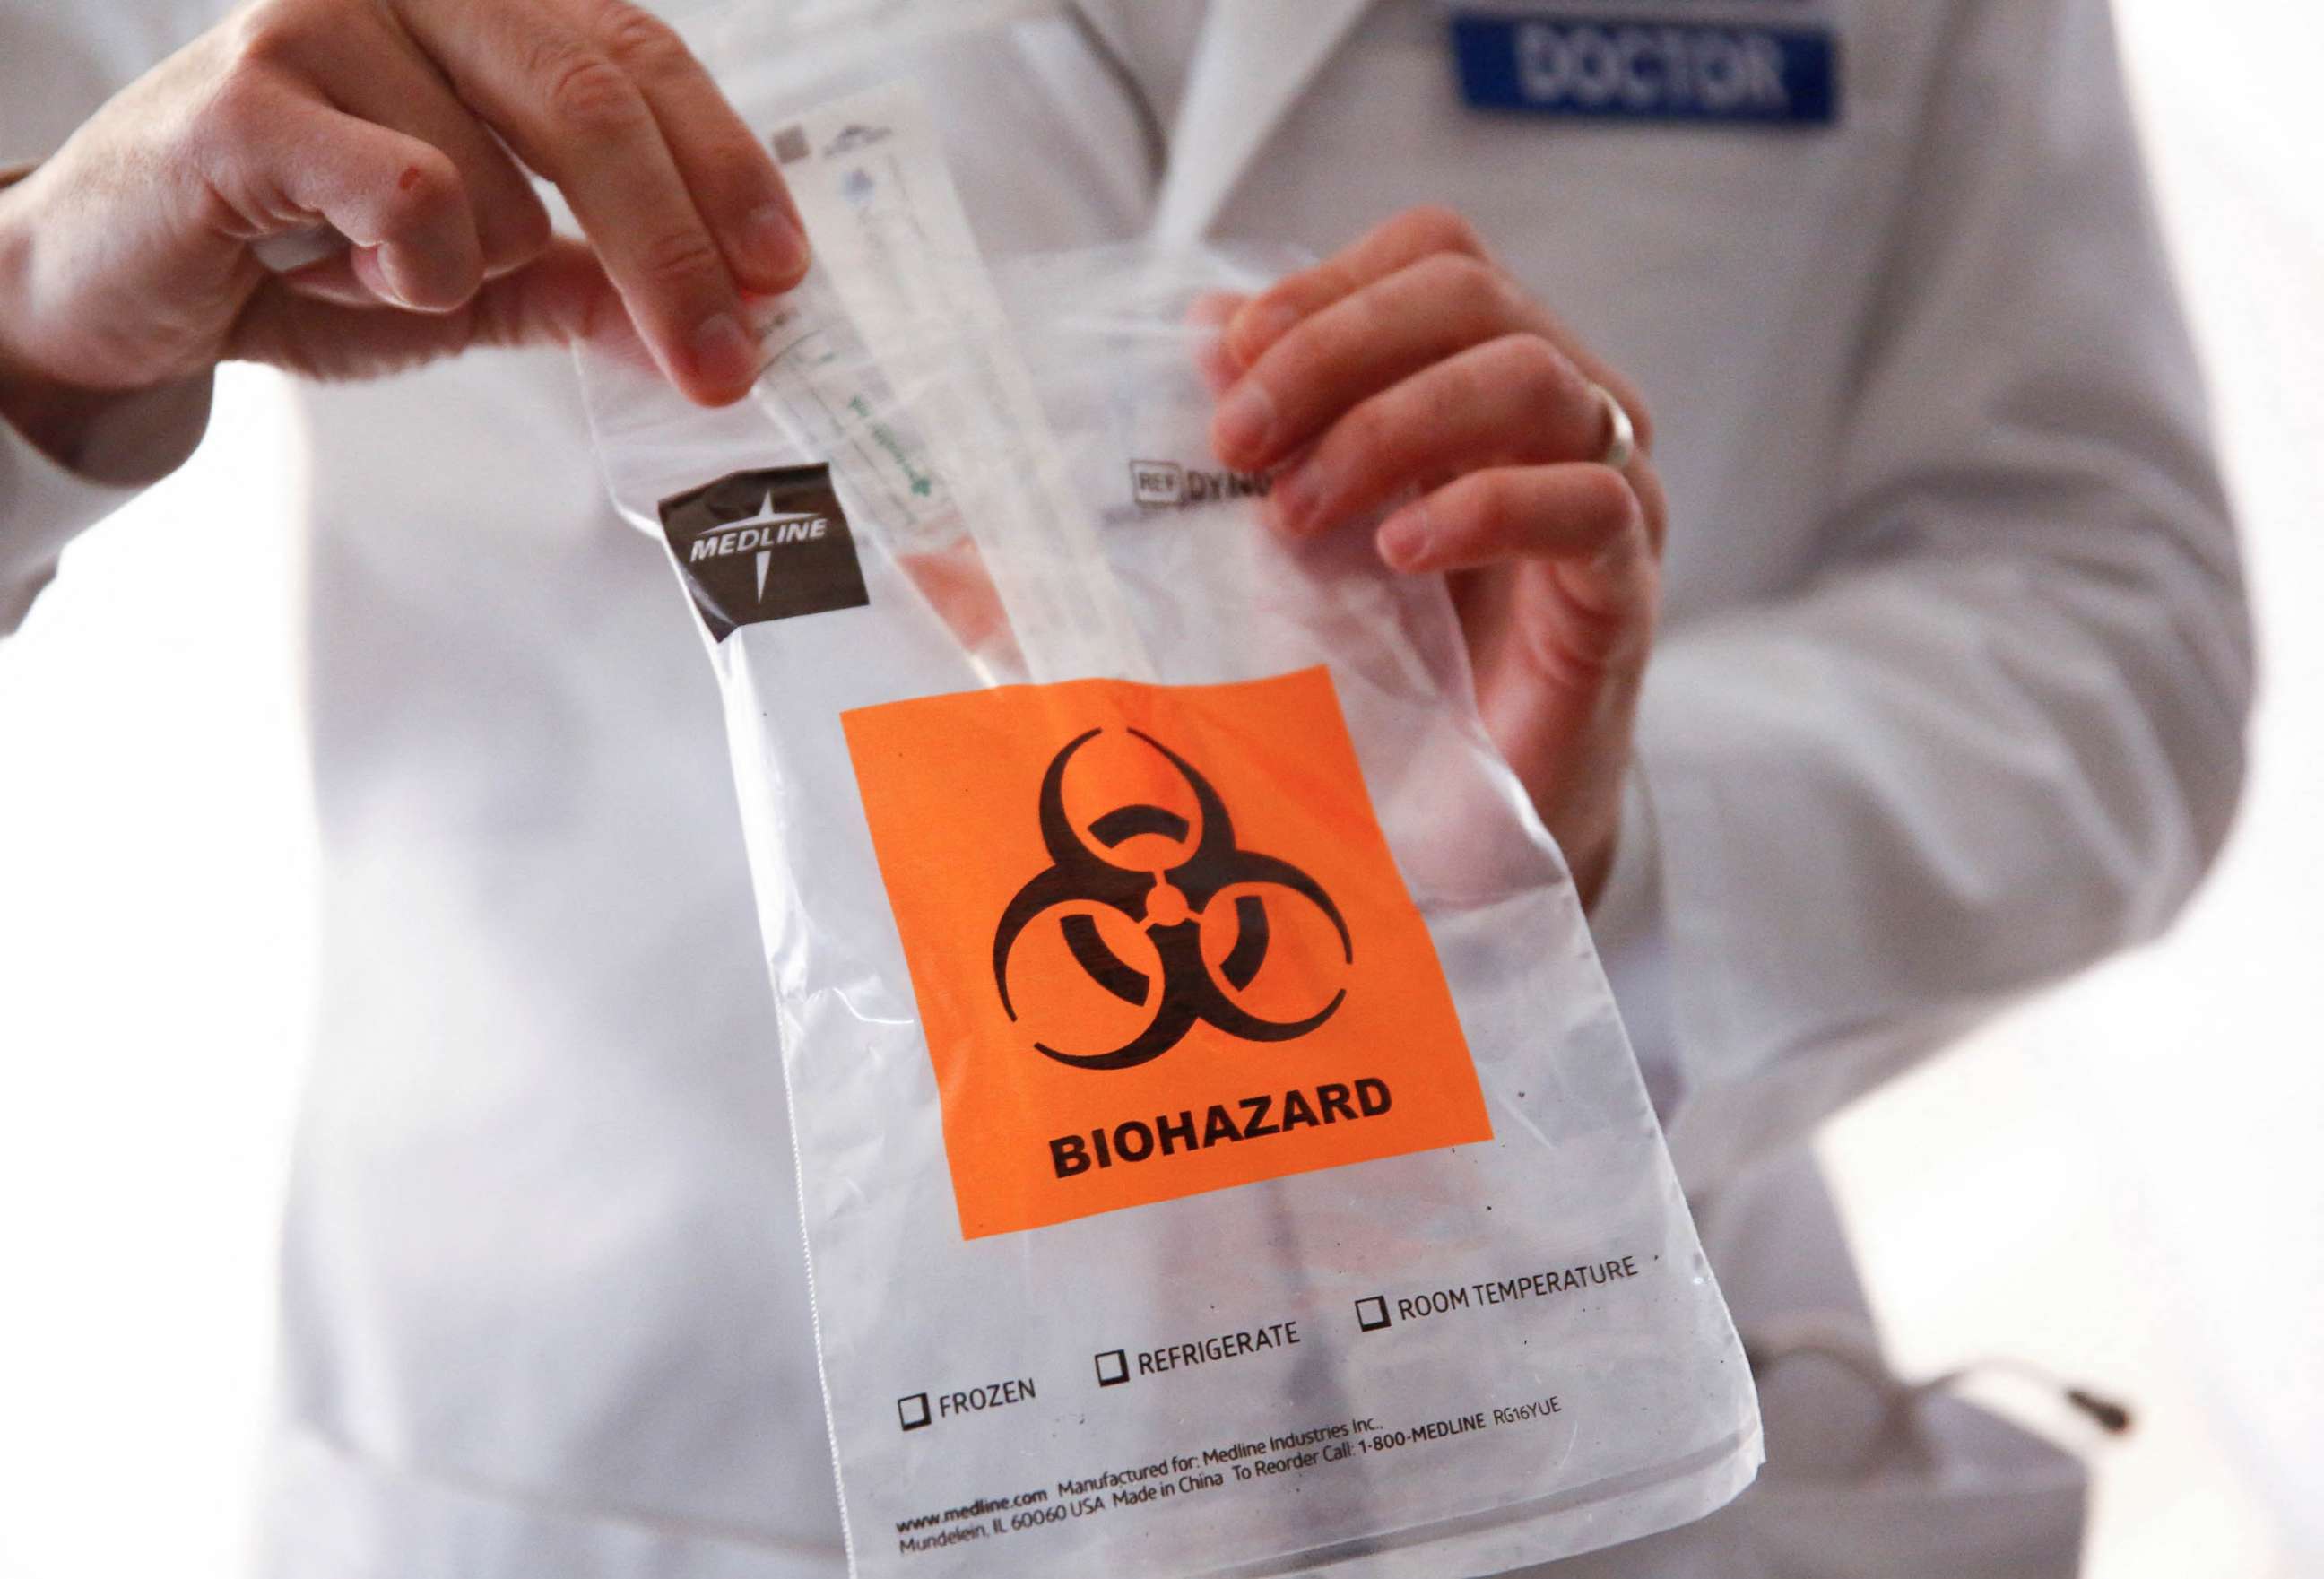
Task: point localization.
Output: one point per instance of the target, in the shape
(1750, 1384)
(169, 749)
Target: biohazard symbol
(1110, 865)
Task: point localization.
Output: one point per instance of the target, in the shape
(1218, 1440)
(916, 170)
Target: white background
(2125, 1181)
(2121, 1181)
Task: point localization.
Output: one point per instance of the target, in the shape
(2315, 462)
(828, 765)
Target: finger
(1208, 316)
(570, 111)
(1571, 510)
(286, 161)
(561, 297)
(732, 176)
(1354, 348)
(384, 78)
(1399, 242)
(333, 280)
(1515, 398)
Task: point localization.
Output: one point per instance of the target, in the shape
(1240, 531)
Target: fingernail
(1297, 494)
(1403, 537)
(1262, 324)
(723, 353)
(776, 242)
(1217, 366)
(1245, 417)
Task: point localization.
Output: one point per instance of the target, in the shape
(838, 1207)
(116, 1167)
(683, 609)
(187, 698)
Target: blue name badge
(1610, 67)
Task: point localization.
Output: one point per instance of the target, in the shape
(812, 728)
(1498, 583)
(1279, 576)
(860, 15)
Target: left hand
(1411, 372)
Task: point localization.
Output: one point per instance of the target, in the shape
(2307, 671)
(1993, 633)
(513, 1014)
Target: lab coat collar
(1255, 59)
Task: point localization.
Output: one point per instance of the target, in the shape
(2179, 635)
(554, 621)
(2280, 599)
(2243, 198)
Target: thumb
(561, 297)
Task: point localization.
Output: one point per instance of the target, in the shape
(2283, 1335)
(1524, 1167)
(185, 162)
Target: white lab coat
(1949, 702)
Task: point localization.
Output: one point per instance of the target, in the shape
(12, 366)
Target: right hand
(127, 260)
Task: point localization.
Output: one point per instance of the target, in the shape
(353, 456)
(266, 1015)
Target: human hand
(1410, 372)
(127, 262)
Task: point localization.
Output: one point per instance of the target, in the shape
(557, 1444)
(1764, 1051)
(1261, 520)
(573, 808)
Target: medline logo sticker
(764, 545)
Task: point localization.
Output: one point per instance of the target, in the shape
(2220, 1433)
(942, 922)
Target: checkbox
(1112, 1368)
(912, 1410)
(1372, 1314)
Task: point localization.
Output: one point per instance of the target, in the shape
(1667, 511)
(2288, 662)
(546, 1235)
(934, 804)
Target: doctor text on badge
(1607, 66)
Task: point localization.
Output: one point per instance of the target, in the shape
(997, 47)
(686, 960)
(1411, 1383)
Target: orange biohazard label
(1158, 942)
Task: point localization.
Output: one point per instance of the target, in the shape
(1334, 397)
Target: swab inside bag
(1217, 1149)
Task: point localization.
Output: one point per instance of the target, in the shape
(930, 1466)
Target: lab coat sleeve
(2000, 733)
(42, 506)
(58, 64)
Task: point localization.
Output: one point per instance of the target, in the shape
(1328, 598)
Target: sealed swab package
(1218, 1148)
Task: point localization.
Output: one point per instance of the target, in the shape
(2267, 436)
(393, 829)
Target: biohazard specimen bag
(1218, 1148)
